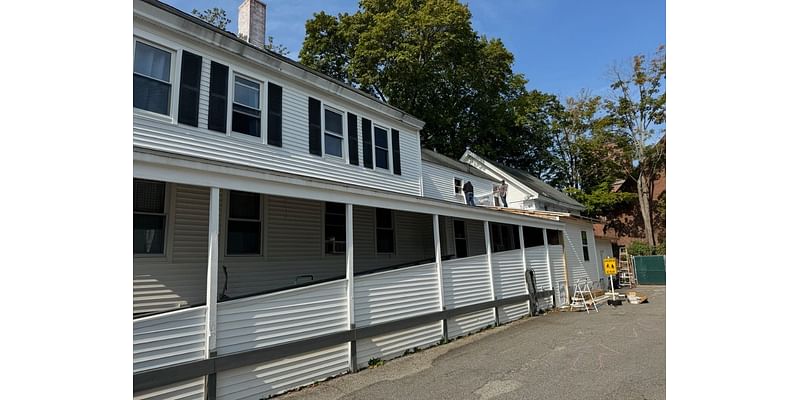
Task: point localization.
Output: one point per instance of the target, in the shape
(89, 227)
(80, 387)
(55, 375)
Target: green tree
(214, 16)
(276, 47)
(637, 108)
(423, 57)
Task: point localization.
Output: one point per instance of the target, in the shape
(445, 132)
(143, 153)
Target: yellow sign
(610, 266)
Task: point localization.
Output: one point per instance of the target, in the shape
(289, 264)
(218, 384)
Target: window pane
(148, 234)
(244, 237)
(245, 205)
(381, 138)
(333, 145)
(460, 231)
(461, 248)
(148, 196)
(381, 158)
(383, 218)
(150, 95)
(246, 92)
(385, 241)
(152, 62)
(246, 120)
(333, 122)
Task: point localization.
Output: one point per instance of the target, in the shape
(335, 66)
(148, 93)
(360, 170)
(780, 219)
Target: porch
(304, 289)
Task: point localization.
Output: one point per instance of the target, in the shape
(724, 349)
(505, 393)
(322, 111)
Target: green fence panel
(650, 270)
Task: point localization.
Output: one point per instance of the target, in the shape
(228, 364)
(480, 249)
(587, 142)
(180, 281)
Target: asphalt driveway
(618, 353)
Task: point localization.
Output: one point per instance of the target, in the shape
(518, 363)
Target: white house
(536, 198)
(288, 228)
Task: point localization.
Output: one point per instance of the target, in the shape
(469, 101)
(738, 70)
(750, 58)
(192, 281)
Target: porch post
(566, 268)
(488, 239)
(525, 268)
(213, 268)
(211, 289)
(438, 251)
(349, 276)
(549, 265)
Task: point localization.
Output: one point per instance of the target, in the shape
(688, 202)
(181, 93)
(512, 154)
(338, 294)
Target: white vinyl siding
(393, 295)
(293, 157)
(437, 183)
(578, 268)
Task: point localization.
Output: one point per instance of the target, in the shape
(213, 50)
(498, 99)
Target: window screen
(335, 239)
(384, 227)
(244, 223)
(149, 217)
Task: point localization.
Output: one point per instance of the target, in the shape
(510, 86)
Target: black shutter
(189, 98)
(352, 137)
(274, 115)
(396, 151)
(366, 139)
(218, 99)
(314, 126)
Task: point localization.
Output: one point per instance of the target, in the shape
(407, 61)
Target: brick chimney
(253, 21)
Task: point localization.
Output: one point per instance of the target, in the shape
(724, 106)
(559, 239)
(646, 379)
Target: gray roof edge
(379, 105)
(433, 157)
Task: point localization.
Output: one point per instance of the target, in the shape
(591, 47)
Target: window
(553, 237)
(504, 237)
(533, 236)
(384, 230)
(334, 228)
(149, 217)
(244, 223)
(333, 133)
(151, 78)
(460, 231)
(246, 109)
(457, 185)
(585, 242)
(381, 148)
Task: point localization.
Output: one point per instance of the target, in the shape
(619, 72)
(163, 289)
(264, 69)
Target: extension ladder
(626, 278)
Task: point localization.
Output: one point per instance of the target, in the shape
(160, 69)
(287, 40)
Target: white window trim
(389, 159)
(232, 74)
(171, 116)
(169, 221)
(344, 158)
(460, 186)
(263, 217)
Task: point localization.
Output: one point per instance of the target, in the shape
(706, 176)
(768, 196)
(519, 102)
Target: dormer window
(152, 83)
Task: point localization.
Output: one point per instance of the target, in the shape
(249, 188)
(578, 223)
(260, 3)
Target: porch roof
(170, 167)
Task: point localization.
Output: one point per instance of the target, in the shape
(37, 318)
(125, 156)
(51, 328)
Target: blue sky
(561, 46)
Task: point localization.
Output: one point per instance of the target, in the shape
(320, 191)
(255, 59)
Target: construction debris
(636, 297)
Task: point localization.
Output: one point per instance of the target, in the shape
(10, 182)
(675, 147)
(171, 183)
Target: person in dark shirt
(469, 193)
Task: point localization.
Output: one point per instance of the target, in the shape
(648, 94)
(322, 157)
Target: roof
(553, 215)
(440, 159)
(544, 190)
(172, 10)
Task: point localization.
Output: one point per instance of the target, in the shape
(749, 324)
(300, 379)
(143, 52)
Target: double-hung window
(384, 230)
(585, 243)
(149, 217)
(457, 185)
(334, 135)
(246, 110)
(152, 82)
(334, 228)
(381, 148)
(244, 223)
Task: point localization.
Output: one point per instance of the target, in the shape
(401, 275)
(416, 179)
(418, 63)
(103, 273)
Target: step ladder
(626, 277)
(580, 294)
